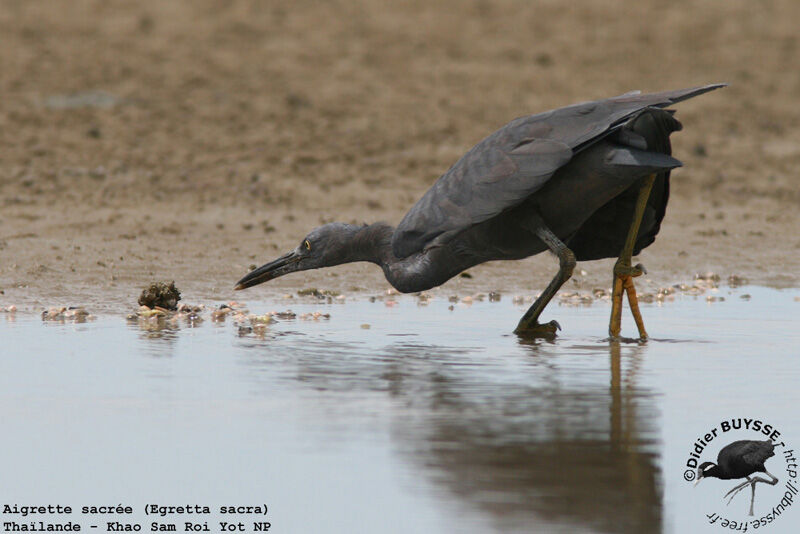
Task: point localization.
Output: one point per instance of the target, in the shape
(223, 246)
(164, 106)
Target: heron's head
(325, 246)
(704, 470)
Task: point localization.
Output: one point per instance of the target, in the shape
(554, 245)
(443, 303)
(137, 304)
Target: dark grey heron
(587, 181)
(740, 459)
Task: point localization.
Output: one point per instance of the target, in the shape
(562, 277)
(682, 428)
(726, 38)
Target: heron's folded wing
(514, 162)
(485, 182)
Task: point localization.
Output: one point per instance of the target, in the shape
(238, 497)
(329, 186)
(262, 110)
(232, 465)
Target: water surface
(431, 420)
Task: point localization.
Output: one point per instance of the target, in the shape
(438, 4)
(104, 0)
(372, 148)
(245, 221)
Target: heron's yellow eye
(307, 244)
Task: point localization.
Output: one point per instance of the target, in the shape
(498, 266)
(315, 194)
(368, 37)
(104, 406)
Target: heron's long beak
(285, 264)
(697, 482)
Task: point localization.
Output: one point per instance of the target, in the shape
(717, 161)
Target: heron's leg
(624, 272)
(529, 324)
(752, 497)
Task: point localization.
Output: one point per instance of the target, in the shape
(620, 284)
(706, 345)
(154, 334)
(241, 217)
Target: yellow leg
(624, 272)
(615, 325)
(634, 304)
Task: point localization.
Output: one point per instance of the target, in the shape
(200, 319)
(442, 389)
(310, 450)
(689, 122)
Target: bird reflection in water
(555, 455)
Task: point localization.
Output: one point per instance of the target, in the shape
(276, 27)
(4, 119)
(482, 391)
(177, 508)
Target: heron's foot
(535, 329)
(624, 268)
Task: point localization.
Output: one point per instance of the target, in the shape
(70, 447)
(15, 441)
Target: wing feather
(514, 162)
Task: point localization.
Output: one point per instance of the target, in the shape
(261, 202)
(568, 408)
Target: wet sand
(184, 141)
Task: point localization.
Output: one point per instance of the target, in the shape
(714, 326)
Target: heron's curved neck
(372, 243)
(418, 272)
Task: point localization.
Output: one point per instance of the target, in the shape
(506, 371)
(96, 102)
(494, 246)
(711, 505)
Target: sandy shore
(178, 141)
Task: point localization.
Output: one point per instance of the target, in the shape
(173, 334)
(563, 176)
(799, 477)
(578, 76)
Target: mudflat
(190, 140)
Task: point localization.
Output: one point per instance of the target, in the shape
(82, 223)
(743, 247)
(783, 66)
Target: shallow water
(431, 420)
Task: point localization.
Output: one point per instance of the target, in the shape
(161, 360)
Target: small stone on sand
(160, 294)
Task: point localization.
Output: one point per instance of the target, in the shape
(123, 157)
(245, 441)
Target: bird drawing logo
(740, 459)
